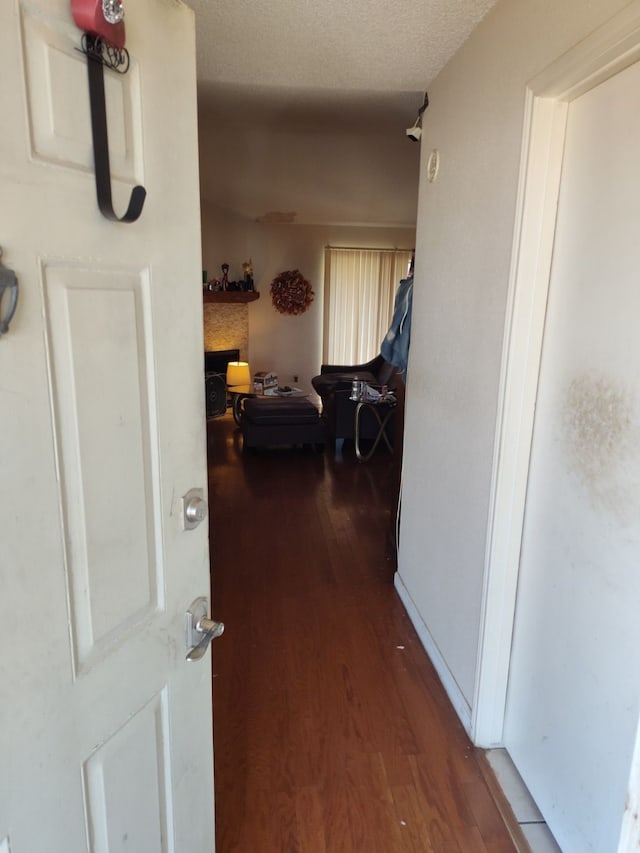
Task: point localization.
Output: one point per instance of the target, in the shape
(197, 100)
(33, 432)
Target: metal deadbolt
(194, 508)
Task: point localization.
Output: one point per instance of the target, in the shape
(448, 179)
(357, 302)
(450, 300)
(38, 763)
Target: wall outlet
(295, 377)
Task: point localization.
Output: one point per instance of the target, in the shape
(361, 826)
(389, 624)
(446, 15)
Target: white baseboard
(460, 704)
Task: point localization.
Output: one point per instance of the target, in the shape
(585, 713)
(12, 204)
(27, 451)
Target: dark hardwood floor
(332, 732)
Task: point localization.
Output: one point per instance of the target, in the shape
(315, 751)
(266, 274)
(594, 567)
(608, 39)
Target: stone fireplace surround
(226, 326)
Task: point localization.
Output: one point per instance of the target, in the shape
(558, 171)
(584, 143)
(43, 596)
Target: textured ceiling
(380, 45)
(339, 70)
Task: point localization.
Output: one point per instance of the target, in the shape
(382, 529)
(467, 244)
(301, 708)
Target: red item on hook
(89, 16)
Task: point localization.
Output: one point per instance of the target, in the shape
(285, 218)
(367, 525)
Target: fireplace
(216, 361)
(215, 383)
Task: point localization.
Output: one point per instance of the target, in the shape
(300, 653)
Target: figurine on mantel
(225, 277)
(247, 271)
(219, 285)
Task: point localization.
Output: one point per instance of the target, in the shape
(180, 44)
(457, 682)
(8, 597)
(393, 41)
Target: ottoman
(276, 421)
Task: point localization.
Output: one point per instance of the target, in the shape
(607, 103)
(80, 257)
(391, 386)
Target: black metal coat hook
(95, 67)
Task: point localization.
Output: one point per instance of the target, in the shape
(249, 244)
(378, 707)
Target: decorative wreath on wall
(291, 293)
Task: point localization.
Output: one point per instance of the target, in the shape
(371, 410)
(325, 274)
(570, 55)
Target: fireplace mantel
(230, 296)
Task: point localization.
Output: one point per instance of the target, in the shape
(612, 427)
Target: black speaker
(215, 387)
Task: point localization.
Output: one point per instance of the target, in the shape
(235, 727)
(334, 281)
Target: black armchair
(338, 377)
(333, 385)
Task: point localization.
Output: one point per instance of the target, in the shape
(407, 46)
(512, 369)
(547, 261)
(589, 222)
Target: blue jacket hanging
(395, 346)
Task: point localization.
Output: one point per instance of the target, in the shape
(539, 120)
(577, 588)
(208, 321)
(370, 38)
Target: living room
(338, 183)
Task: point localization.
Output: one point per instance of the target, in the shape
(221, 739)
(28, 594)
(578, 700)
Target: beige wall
(464, 241)
(365, 173)
(289, 345)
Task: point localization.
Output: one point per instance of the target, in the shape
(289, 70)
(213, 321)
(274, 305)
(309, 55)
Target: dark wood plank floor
(332, 732)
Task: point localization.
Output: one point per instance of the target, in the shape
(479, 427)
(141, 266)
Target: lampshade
(238, 373)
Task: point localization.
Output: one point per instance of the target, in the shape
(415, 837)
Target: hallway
(332, 732)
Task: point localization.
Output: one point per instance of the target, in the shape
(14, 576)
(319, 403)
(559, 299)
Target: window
(360, 287)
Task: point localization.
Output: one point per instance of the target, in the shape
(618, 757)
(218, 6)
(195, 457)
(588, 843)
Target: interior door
(574, 689)
(105, 728)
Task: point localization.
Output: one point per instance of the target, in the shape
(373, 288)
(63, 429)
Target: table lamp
(238, 373)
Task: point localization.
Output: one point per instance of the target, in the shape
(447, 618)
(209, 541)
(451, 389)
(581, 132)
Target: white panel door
(574, 689)
(105, 728)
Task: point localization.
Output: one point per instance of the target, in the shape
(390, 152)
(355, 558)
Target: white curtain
(360, 286)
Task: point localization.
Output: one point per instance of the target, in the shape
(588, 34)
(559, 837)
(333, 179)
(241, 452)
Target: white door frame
(630, 833)
(610, 49)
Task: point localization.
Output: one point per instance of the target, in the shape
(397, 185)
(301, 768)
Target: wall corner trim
(456, 697)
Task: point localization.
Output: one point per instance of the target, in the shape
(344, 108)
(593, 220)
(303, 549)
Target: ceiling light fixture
(414, 133)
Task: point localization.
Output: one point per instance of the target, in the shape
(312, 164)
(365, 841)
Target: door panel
(97, 323)
(58, 104)
(574, 688)
(126, 804)
(105, 728)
